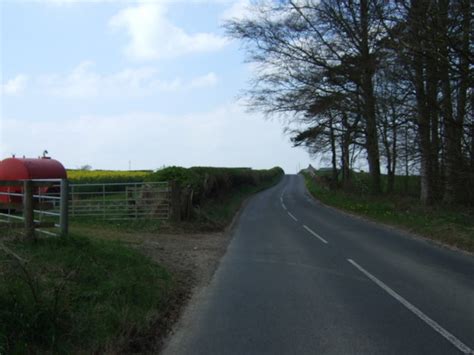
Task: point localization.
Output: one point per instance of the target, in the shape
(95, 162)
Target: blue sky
(151, 82)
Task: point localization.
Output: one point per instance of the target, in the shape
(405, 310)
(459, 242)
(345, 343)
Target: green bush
(208, 182)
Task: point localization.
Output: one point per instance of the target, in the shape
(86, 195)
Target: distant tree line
(388, 80)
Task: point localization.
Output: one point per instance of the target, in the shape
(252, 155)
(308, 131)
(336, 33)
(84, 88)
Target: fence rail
(120, 201)
(40, 204)
(45, 205)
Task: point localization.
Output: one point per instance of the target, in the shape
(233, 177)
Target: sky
(132, 84)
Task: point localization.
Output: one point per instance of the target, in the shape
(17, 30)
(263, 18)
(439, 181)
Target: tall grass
(453, 225)
(75, 293)
(403, 185)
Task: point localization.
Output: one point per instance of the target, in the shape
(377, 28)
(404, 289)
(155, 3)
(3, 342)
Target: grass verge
(76, 294)
(217, 213)
(452, 226)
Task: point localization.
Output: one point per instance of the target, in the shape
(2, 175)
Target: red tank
(27, 168)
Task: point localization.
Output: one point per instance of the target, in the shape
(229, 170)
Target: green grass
(450, 225)
(63, 295)
(111, 226)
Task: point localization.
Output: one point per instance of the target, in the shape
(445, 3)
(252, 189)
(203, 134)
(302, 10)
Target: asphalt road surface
(302, 278)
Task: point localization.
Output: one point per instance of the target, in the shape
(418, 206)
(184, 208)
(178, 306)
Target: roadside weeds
(440, 227)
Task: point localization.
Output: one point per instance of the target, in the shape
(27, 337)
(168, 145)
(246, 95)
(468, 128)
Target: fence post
(28, 209)
(103, 201)
(175, 201)
(72, 201)
(63, 208)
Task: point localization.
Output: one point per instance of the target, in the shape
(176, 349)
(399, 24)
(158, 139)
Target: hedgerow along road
(302, 278)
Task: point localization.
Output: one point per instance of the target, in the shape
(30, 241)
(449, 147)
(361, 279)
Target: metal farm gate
(120, 201)
(34, 205)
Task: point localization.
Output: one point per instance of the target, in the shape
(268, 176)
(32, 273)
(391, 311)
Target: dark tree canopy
(389, 79)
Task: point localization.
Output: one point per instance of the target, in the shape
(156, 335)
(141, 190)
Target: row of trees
(387, 80)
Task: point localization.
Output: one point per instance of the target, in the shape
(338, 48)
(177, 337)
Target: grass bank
(217, 213)
(76, 294)
(453, 226)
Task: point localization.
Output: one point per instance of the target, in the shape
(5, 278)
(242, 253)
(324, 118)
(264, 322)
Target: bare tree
(370, 74)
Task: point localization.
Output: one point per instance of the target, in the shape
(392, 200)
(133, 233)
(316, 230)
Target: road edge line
(315, 234)
(292, 216)
(433, 324)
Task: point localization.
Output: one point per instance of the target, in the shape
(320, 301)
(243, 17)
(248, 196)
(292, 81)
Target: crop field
(107, 176)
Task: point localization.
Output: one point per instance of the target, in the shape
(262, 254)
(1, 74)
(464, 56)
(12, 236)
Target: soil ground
(191, 258)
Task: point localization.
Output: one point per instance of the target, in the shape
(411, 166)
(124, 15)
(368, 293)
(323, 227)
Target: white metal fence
(37, 205)
(120, 201)
(45, 206)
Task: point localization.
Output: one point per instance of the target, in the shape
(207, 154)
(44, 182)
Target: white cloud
(239, 10)
(220, 137)
(84, 82)
(208, 80)
(256, 9)
(77, 2)
(153, 36)
(72, 2)
(15, 86)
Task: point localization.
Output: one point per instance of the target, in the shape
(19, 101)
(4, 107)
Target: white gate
(120, 201)
(35, 205)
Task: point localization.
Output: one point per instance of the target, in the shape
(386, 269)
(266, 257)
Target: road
(302, 278)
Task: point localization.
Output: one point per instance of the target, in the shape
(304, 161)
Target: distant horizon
(93, 168)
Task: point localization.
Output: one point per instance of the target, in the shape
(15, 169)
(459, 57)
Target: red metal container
(27, 168)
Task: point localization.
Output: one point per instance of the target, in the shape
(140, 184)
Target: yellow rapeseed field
(91, 176)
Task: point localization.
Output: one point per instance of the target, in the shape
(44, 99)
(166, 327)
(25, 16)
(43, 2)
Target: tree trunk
(406, 160)
(472, 132)
(417, 22)
(464, 176)
(391, 174)
(388, 153)
(369, 101)
(333, 152)
(345, 158)
(453, 139)
(432, 108)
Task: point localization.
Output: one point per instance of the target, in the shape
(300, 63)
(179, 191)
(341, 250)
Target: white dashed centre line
(289, 214)
(315, 234)
(283, 205)
(450, 337)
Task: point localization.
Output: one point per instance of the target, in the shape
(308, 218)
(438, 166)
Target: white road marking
(283, 205)
(450, 337)
(289, 214)
(315, 234)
